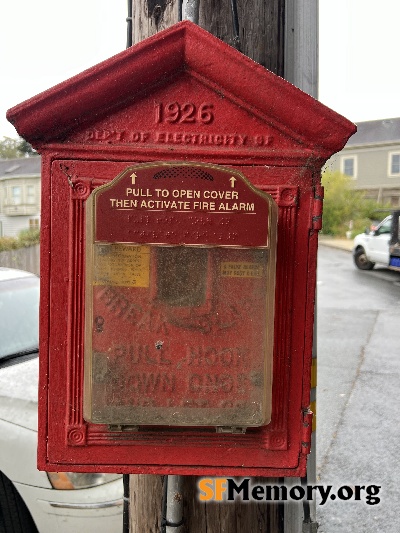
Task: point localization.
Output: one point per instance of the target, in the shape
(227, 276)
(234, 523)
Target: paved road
(358, 434)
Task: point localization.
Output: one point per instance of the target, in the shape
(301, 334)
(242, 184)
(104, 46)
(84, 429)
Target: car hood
(19, 393)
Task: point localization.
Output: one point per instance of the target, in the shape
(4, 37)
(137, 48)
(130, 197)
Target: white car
(372, 247)
(32, 501)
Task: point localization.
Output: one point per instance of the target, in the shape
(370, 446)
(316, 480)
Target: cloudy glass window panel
(16, 194)
(30, 194)
(348, 167)
(395, 164)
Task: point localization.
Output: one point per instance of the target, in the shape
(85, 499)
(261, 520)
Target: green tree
(25, 148)
(344, 207)
(14, 148)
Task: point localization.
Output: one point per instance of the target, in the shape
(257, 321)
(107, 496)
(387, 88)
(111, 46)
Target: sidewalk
(333, 242)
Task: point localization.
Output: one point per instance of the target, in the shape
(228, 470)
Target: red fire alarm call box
(180, 185)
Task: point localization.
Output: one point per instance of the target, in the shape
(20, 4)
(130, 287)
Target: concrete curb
(342, 244)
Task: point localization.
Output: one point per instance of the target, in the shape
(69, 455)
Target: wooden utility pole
(260, 25)
(274, 34)
(236, 517)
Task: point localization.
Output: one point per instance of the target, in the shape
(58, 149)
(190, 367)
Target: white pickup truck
(373, 246)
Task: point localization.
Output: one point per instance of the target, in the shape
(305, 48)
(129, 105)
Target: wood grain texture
(261, 25)
(151, 16)
(261, 28)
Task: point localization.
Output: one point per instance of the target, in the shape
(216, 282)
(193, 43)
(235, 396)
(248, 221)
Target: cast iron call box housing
(180, 185)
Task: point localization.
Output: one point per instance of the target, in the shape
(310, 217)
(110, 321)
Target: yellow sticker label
(313, 408)
(241, 270)
(121, 265)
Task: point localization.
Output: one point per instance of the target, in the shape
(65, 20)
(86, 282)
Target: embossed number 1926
(186, 113)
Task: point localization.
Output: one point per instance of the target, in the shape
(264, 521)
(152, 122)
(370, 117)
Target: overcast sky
(44, 42)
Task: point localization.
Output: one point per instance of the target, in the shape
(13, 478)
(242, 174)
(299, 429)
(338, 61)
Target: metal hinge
(317, 207)
(122, 427)
(306, 431)
(230, 429)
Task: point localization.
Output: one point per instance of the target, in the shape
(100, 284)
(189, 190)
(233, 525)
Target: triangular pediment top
(112, 85)
(190, 112)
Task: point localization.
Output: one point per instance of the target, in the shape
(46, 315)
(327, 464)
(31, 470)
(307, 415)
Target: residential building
(19, 195)
(371, 158)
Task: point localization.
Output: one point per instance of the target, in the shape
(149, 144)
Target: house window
(394, 164)
(30, 194)
(16, 195)
(33, 223)
(349, 166)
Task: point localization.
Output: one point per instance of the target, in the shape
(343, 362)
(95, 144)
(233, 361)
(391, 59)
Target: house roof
(376, 131)
(55, 115)
(21, 167)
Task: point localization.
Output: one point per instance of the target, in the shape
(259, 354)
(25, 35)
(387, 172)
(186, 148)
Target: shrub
(27, 237)
(8, 243)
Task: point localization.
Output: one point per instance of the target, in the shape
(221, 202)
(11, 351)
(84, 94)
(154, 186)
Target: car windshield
(19, 316)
